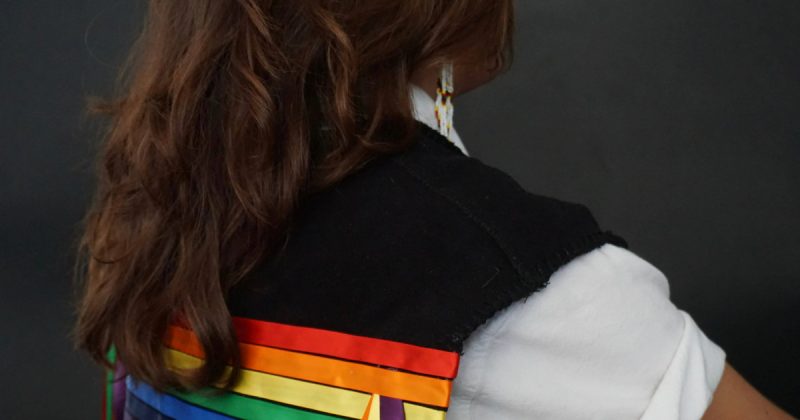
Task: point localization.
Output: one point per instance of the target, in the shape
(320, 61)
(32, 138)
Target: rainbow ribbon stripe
(299, 373)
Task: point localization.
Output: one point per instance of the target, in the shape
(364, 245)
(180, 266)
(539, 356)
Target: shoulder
(605, 317)
(428, 228)
(535, 234)
(528, 227)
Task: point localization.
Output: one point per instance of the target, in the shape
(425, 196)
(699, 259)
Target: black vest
(420, 247)
(364, 312)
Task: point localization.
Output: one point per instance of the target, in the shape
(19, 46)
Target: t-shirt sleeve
(601, 341)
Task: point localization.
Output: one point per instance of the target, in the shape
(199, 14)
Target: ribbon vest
(364, 311)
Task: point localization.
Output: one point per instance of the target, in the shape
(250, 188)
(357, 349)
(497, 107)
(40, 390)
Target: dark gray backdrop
(676, 121)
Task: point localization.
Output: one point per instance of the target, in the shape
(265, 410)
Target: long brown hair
(228, 113)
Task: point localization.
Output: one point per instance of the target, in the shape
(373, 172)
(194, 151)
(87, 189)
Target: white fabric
(423, 111)
(601, 341)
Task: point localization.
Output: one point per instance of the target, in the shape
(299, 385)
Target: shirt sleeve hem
(687, 387)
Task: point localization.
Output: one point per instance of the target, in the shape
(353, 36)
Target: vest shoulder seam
(465, 211)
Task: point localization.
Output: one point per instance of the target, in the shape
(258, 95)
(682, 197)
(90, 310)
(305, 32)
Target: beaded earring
(444, 104)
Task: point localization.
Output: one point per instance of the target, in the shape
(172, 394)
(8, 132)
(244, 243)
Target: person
(288, 226)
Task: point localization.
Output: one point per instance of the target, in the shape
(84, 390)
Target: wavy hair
(227, 114)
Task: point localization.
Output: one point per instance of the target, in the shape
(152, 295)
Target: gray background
(675, 121)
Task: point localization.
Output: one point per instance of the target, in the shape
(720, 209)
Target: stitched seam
(505, 295)
(525, 285)
(484, 227)
(565, 250)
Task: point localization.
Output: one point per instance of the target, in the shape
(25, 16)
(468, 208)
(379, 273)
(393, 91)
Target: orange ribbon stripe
(339, 373)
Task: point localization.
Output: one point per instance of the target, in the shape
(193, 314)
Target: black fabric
(420, 247)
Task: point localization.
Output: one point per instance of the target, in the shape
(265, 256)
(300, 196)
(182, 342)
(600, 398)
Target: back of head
(228, 113)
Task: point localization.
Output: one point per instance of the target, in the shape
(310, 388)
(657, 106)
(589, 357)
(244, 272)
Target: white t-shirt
(601, 341)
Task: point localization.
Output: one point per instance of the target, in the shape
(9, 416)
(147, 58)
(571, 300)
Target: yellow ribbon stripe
(418, 412)
(323, 398)
(373, 409)
(338, 401)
